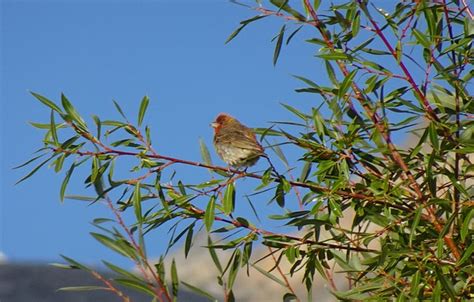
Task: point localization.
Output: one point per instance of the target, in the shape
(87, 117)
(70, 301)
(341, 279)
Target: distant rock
(39, 283)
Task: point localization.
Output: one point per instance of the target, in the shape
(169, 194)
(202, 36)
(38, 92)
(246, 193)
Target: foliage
(392, 74)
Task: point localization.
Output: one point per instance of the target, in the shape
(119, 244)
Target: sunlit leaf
(143, 106)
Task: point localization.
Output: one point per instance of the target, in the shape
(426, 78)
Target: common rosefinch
(235, 144)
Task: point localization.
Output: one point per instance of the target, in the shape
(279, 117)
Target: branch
(240, 173)
(143, 264)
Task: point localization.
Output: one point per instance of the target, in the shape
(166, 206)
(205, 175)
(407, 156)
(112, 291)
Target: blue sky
(96, 51)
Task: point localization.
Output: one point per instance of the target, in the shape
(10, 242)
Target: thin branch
(469, 12)
(286, 236)
(144, 264)
(311, 186)
(285, 279)
(111, 287)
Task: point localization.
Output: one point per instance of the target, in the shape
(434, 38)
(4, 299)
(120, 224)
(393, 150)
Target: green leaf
(110, 243)
(98, 124)
(416, 221)
(58, 163)
(295, 111)
(142, 110)
(35, 169)
(334, 56)
(117, 106)
(234, 268)
(283, 5)
(331, 73)
(243, 24)
(46, 126)
(346, 84)
(276, 53)
(72, 113)
(305, 171)
(467, 254)
(356, 24)
(52, 129)
(433, 135)
(137, 202)
(280, 195)
(268, 275)
(83, 288)
(29, 161)
(466, 225)
(316, 4)
(69, 142)
(446, 283)
(210, 212)
(288, 40)
(229, 199)
(138, 285)
(199, 291)
(213, 254)
(174, 278)
(189, 239)
(76, 264)
(65, 182)
(47, 102)
(421, 38)
(335, 207)
(415, 282)
(205, 154)
(121, 271)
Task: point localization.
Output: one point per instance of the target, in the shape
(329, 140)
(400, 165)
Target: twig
(285, 279)
(111, 287)
(144, 264)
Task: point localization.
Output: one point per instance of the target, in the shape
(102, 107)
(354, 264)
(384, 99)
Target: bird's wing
(245, 140)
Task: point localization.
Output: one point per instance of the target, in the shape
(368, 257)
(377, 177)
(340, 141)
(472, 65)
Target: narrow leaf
(83, 288)
(117, 106)
(72, 113)
(47, 102)
(276, 53)
(243, 24)
(234, 268)
(465, 224)
(189, 240)
(421, 38)
(346, 84)
(210, 212)
(35, 169)
(174, 278)
(65, 182)
(137, 202)
(138, 285)
(268, 275)
(142, 111)
(229, 199)
(205, 154)
(52, 129)
(199, 291)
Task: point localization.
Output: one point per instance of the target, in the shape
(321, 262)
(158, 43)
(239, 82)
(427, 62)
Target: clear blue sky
(96, 51)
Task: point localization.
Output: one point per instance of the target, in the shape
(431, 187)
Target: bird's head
(222, 119)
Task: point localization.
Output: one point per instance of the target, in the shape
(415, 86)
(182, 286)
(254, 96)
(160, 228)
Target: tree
(391, 74)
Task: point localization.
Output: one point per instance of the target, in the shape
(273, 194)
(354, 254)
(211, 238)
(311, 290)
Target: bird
(235, 143)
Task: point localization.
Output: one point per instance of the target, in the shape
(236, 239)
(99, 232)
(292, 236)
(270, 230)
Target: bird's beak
(214, 125)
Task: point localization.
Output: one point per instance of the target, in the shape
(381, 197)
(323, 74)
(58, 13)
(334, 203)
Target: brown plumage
(235, 143)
